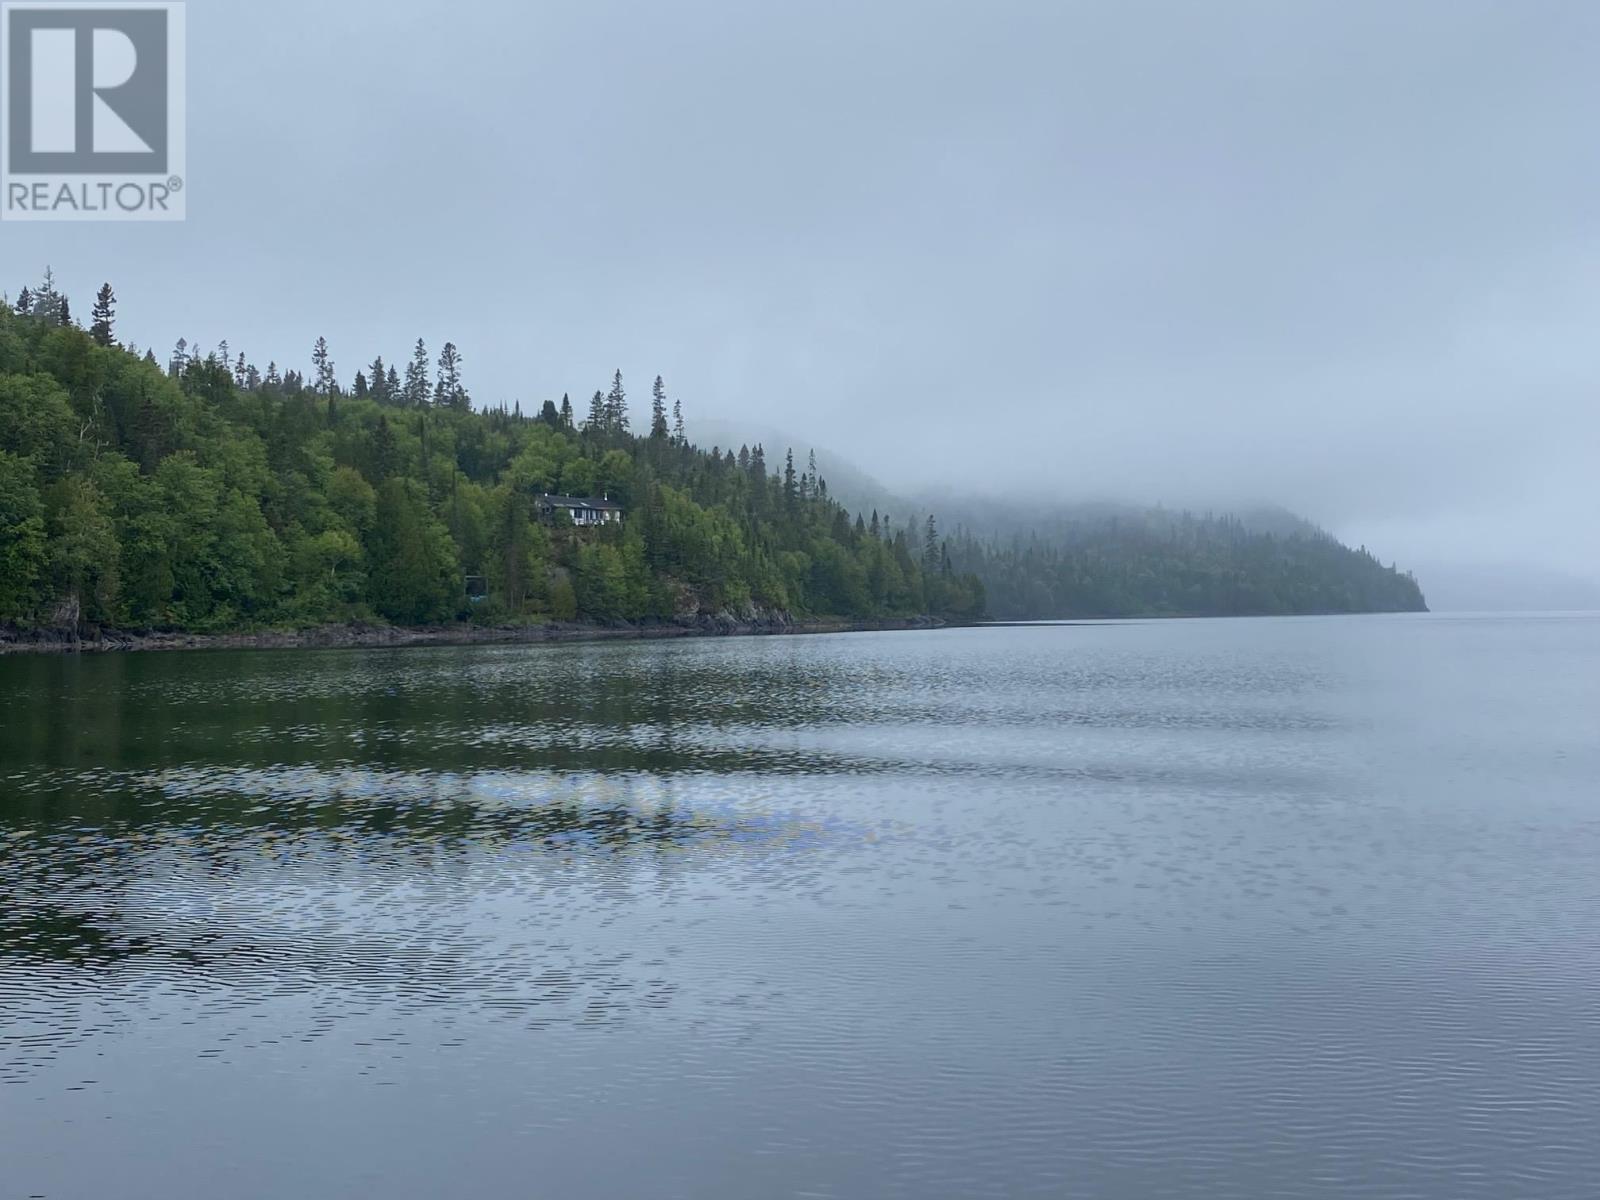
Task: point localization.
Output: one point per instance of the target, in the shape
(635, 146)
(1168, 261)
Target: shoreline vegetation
(363, 636)
(202, 497)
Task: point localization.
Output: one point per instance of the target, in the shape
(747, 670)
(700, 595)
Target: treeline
(204, 493)
(1128, 563)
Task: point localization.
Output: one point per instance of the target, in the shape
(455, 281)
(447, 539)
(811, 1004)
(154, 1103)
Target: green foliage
(1161, 564)
(24, 553)
(206, 494)
(415, 576)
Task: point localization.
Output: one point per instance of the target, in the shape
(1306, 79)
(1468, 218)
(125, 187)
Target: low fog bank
(1470, 553)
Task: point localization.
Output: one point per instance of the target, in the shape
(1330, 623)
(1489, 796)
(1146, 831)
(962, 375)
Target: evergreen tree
(566, 412)
(448, 390)
(678, 435)
(616, 408)
(596, 425)
(658, 411)
(322, 361)
(47, 302)
(378, 381)
(416, 389)
(104, 316)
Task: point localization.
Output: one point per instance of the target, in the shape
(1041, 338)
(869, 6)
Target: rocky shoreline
(358, 635)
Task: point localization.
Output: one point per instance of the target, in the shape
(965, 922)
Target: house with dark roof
(587, 512)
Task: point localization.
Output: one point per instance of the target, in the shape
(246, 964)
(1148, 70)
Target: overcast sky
(1341, 256)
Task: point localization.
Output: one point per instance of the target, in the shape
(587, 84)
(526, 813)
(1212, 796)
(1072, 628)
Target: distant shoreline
(364, 636)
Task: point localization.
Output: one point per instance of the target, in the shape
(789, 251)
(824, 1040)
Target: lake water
(1287, 908)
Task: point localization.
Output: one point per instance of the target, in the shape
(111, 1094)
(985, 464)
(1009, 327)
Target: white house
(586, 511)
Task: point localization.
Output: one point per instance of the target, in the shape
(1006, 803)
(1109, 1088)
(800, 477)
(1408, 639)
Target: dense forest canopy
(205, 493)
(1041, 561)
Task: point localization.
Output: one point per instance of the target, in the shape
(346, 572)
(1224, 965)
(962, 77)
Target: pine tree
(658, 411)
(791, 491)
(241, 373)
(930, 547)
(616, 408)
(392, 386)
(596, 424)
(273, 378)
(326, 385)
(416, 389)
(566, 412)
(105, 315)
(25, 303)
(360, 385)
(677, 423)
(180, 358)
(448, 391)
(47, 302)
(378, 381)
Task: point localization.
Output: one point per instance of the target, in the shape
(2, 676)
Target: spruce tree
(448, 391)
(658, 411)
(378, 381)
(566, 412)
(677, 423)
(323, 362)
(105, 315)
(616, 408)
(416, 389)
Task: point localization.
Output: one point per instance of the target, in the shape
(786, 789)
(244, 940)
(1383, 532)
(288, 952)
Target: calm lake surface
(1207, 908)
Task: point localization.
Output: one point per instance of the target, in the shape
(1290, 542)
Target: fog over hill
(1335, 257)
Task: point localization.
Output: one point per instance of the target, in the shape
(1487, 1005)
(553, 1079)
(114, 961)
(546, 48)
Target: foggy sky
(1343, 257)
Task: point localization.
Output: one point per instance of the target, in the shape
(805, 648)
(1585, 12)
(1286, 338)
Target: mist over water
(1283, 907)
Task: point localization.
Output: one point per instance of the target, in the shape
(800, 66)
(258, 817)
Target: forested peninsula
(196, 493)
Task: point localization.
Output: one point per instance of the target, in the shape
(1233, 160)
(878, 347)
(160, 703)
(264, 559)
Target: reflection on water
(1291, 908)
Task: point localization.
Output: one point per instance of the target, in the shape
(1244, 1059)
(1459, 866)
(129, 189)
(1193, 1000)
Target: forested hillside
(198, 491)
(1112, 562)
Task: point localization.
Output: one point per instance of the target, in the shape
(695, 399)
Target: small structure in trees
(587, 512)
